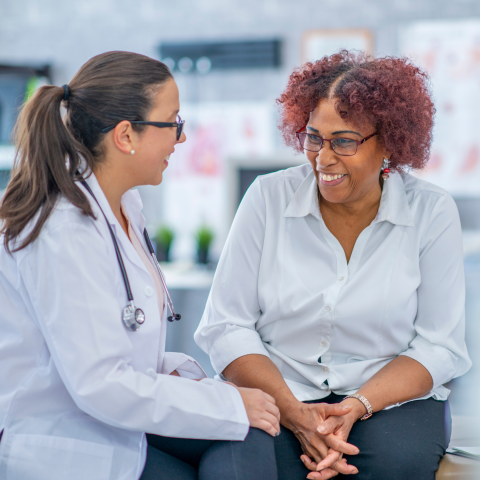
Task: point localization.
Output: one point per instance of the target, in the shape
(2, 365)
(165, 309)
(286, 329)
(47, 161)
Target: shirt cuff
(185, 365)
(440, 362)
(228, 348)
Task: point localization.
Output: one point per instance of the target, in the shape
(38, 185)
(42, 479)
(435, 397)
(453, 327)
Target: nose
(182, 138)
(326, 156)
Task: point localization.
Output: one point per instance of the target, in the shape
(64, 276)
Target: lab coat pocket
(44, 457)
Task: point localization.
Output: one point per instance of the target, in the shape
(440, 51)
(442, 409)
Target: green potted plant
(203, 237)
(163, 240)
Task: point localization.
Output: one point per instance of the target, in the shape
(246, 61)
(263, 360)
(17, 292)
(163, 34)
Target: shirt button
(325, 369)
(151, 373)
(340, 279)
(324, 343)
(148, 291)
(327, 308)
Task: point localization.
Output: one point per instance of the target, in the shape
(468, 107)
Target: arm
(258, 371)
(399, 381)
(71, 281)
(437, 353)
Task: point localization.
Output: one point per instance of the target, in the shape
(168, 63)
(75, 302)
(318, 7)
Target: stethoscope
(134, 317)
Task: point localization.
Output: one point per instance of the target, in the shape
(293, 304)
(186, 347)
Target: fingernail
(357, 451)
(321, 429)
(355, 472)
(310, 477)
(319, 469)
(277, 434)
(346, 407)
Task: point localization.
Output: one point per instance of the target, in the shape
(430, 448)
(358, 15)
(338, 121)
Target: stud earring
(385, 169)
(133, 152)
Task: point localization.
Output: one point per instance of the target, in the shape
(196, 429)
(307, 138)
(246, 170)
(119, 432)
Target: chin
(158, 180)
(332, 197)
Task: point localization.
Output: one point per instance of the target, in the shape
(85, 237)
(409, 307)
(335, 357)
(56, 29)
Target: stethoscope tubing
(174, 316)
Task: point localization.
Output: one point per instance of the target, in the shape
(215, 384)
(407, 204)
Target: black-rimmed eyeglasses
(341, 146)
(179, 124)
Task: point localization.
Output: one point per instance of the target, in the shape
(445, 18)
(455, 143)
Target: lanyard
(134, 317)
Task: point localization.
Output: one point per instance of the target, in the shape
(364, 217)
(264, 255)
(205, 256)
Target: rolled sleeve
(227, 329)
(440, 323)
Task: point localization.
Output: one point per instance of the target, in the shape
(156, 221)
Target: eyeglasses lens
(310, 142)
(341, 146)
(180, 123)
(344, 146)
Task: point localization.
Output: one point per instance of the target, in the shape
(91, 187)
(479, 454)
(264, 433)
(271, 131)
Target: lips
(331, 179)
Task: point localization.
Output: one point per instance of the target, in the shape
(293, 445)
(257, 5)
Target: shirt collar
(394, 206)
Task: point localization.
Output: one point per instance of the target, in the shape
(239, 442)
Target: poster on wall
(450, 52)
(318, 43)
(195, 190)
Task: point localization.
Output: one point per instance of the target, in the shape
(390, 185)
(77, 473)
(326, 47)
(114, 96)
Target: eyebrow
(347, 131)
(336, 133)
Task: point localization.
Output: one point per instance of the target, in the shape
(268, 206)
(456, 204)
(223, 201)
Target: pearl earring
(385, 169)
(133, 152)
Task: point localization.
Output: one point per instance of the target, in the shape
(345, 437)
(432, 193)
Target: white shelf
(187, 275)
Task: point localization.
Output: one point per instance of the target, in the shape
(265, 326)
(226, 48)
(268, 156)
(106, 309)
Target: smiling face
(152, 146)
(344, 179)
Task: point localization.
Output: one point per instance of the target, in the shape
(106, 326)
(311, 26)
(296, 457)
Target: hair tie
(66, 95)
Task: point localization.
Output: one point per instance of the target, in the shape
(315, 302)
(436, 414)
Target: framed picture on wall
(318, 43)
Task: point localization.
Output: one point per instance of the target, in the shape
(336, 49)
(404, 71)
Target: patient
(342, 279)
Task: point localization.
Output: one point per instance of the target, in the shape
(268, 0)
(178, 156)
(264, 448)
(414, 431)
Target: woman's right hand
(261, 410)
(303, 419)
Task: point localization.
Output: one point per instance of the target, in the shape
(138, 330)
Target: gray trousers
(186, 459)
(401, 443)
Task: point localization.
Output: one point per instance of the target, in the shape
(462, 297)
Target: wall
(66, 34)
(69, 33)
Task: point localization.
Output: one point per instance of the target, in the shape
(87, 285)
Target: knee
(396, 464)
(259, 439)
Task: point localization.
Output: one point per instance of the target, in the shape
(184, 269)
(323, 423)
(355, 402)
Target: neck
(113, 187)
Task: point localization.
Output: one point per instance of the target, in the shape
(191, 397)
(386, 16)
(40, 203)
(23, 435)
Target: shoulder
(425, 195)
(65, 221)
(284, 182)
(66, 215)
(414, 185)
(432, 207)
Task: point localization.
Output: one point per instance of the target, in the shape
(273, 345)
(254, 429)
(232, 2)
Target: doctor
(84, 372)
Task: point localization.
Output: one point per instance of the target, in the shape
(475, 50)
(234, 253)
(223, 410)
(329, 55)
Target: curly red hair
(390, 93)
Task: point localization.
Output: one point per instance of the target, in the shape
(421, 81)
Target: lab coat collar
(394, 206)
(132, 205)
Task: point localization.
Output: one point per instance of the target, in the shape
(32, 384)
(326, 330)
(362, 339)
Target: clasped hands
(322, 430)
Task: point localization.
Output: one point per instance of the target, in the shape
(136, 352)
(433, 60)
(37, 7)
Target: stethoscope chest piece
(133, 317)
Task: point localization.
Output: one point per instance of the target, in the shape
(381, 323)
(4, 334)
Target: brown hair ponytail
(110, 87)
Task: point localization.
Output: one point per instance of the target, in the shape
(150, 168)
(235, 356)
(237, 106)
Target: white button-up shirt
(77, 389)
(284, 289)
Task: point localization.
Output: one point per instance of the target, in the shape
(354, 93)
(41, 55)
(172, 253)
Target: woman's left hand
(334, 426)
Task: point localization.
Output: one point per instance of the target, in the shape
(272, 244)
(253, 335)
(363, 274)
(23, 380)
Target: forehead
(326, 119)
(167, 98)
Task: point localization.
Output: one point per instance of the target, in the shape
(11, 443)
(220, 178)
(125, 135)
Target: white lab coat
(77, 389)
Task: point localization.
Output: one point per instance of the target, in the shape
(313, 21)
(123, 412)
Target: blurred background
(231, 60)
